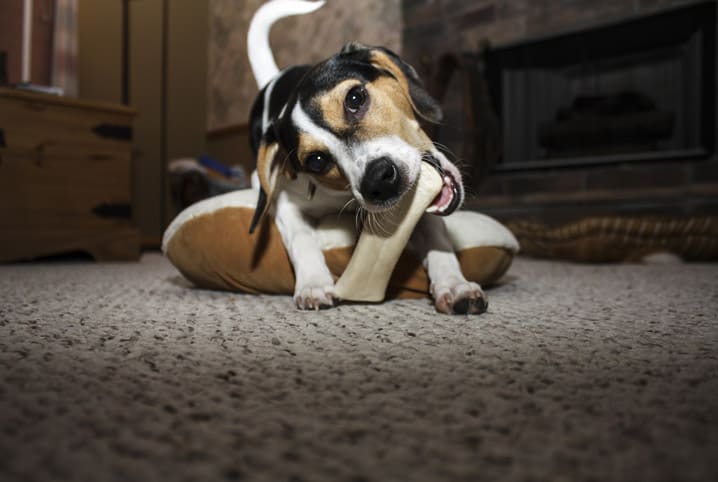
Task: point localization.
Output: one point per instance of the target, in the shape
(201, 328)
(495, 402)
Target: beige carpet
(122, 372)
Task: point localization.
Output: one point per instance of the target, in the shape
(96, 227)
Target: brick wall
(461, 24)
(435, 27)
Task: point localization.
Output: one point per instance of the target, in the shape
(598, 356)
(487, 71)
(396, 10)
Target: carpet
(113, 372)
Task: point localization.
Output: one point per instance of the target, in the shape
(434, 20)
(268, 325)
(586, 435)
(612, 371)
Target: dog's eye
(355, 99)
(318, 162)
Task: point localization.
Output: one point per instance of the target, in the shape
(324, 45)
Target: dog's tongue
(447, 200)
(446, 195)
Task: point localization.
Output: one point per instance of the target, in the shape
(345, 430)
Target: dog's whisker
(458, 162)
(390, 222)
(346, 206)
(288, 155)
(391, 225)
(443, 147)
(373, 224)
(369, 221)
(382, 227)
(359, 219)
(378, 224)
(461, 164)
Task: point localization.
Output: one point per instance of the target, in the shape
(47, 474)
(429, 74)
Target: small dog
(343, 133)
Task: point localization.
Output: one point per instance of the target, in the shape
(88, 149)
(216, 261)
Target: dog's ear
(423, 103)
(354, 47)
(384, 59)
(269, 168)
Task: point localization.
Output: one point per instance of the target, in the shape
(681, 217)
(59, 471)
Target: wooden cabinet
(65, 178)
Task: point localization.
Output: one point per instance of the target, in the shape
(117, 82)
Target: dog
(344, 134)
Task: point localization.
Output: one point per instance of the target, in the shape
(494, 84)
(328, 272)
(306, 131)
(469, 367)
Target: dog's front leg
(314, 284)
(451, 291)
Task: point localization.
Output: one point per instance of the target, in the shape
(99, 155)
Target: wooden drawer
(65, 178)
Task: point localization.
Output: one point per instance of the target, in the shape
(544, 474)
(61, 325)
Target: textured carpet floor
(122, 372)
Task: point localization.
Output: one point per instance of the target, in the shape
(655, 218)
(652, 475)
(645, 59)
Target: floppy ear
(383, 58)
(269, 168)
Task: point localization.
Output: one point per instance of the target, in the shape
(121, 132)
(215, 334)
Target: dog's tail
(260, 54)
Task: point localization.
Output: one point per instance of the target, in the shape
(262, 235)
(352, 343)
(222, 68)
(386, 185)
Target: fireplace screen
(640, 90)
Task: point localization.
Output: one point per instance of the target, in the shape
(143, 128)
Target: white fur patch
(405, 156)
(469, 229)
(261, 59)
(304, 123)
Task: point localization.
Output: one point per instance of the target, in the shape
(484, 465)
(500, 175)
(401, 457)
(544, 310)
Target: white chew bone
(382, 241)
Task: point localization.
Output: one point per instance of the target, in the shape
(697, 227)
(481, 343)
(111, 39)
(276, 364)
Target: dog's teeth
(377, 252)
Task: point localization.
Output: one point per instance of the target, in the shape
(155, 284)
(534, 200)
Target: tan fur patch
(390, 113)
(268, 173)
(383, 61)
(266, 166)
(334, 178)
(307, 145)
(332, 105)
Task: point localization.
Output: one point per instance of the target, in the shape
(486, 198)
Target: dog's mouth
(449, 199)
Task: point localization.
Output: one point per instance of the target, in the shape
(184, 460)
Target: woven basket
(616, 239)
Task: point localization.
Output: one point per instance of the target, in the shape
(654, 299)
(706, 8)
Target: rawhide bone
(382, 241)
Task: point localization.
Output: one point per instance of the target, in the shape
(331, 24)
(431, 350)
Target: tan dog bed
(210, 244)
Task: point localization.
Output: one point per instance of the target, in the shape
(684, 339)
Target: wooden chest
(65, 178)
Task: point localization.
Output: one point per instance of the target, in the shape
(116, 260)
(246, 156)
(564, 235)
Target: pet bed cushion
(210, 244)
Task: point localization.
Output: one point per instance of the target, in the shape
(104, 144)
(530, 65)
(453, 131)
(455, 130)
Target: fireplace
(635, 91)
(562, 110)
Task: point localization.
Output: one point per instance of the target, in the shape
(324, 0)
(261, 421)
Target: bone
(381, 243)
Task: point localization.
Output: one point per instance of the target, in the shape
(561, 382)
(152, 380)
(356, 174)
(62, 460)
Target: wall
(160, 134)
(187, 77)
(305, 39)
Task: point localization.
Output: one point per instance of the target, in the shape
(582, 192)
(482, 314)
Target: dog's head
(351, 125)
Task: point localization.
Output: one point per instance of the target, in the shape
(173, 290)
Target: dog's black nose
(381, 181)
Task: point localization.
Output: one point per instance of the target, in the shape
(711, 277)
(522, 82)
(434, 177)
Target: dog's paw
(315, 297)
(460, 298)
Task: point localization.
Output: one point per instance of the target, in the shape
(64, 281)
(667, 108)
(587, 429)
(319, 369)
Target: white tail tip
(260, 54)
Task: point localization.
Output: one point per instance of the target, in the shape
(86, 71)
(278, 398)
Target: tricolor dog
(343, 135)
